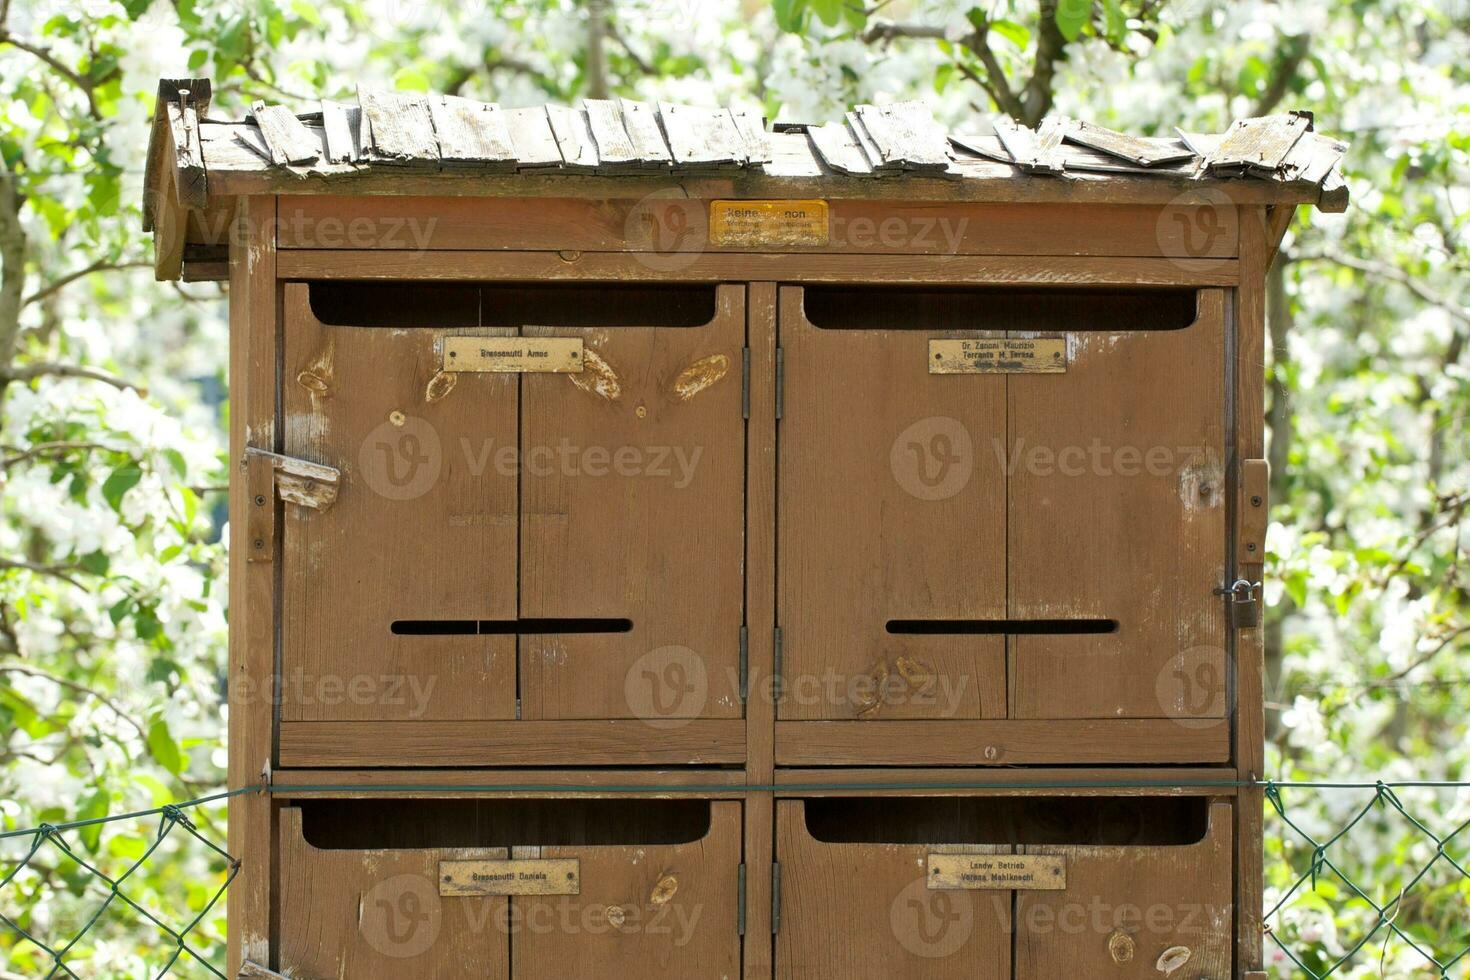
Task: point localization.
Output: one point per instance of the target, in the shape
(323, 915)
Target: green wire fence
(1412, 920)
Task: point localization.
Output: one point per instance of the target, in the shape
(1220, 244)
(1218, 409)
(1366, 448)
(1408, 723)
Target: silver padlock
(1245, 604)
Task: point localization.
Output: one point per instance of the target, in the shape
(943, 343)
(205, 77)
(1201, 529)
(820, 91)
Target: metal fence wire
(1323, 918)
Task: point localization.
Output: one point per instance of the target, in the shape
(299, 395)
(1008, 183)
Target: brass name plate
(543, 876)
(998, 356)
(1023, 872)
(551, 355)
(778, 223)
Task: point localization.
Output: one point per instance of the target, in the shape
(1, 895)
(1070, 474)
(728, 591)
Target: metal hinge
(780, 383)
(740, 900)
(744, 663)
(775, 897)
(745, 383)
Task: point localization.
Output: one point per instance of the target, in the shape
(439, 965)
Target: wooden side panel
(378, 913)
(252, 693)
(891, 507)
(644, 911)
(1125, 908)
(1117, 512)
(424, 527)
(865, 912)
(632, 490)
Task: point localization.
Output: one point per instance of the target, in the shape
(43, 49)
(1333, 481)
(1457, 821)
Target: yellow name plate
(1022, 872)
(551, 355)
(749, 224)
(544, 876)
(998, 356)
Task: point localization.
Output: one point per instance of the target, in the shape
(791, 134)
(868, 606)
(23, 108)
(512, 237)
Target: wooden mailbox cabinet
(671, 545)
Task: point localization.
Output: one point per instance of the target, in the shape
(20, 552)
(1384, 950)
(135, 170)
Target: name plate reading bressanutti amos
(1022, 872)
(537, 876)
(1045, 356)
(511, 355)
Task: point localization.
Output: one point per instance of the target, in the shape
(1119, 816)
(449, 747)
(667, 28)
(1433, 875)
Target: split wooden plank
(1087, 160)
(752, 128)
(838, 148)
(905, 135)
(396, 128)
(530, 133)
(615, 151)
(471, 132)
(342, 124)
(1135, 149)
(1034, 151)
(569, 126)
(1258, 145)
(868, 147)
(701, 137)
(640, 122)
(1200, 144)
(988, 146)
(286, 137)
(1313, 158)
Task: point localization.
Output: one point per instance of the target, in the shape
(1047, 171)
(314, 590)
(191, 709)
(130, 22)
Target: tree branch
(1293, 52)
(77, 688)
(63, 572)
(101, 265)
(53, 449)
(87, 86)
(12, 267)
(1390, 273)
(44, 369)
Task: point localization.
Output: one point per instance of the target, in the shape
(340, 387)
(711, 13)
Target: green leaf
(163, 748)
(97, 563)
(121, 609)
(789, 14)
(1072, 16)
(93, 807)
(1016, 33)
(122, 479)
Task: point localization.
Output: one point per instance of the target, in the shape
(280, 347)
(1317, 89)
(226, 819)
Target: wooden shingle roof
(416, 143)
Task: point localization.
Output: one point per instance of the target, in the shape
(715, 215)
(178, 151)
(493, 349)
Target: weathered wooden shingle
(1033, 151)
(615, 151)
(471, 132)
(839, 149)
(640, 122)
(1258, 145)
(396, 127)
(1134, 149)
(574, 138)
(286, 138)
(752, 128)
(905, 136)
(700, 137)
(530, 133)
(342, 124)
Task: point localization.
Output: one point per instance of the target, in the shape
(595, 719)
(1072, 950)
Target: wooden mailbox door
(632, 526)
(892, 523)
(1116, 518)
(642, 910)
(384, 590)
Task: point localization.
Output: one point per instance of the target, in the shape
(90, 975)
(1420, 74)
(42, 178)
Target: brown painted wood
(1171, 781)
(1116, 511)
(1250, 668)
(769, 266)
(1125, 907)
(509, 743)
(998, 742)
(497, 783)
(863, 911)
(892, 506)
(760, 619)
(647, 910)
(362, 913)
(251, 688)
(630, 533)
(863, 227)
(424, 527)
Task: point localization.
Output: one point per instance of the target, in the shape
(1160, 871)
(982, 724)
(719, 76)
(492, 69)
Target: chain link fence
(1361, 881)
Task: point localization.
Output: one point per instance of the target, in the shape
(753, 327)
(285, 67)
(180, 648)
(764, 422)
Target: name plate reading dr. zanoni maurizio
(535, 876)
(1041, 356)
(1023, 872)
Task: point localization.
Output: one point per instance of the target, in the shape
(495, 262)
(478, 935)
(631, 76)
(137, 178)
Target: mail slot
(1000, 887)
(527, 474)
(1002, 503)
(510, 888)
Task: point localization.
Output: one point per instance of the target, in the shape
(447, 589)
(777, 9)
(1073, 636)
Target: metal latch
(299, 481)
(1245, 603)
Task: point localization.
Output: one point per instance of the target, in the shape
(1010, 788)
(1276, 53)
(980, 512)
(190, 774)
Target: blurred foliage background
(113, 404)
